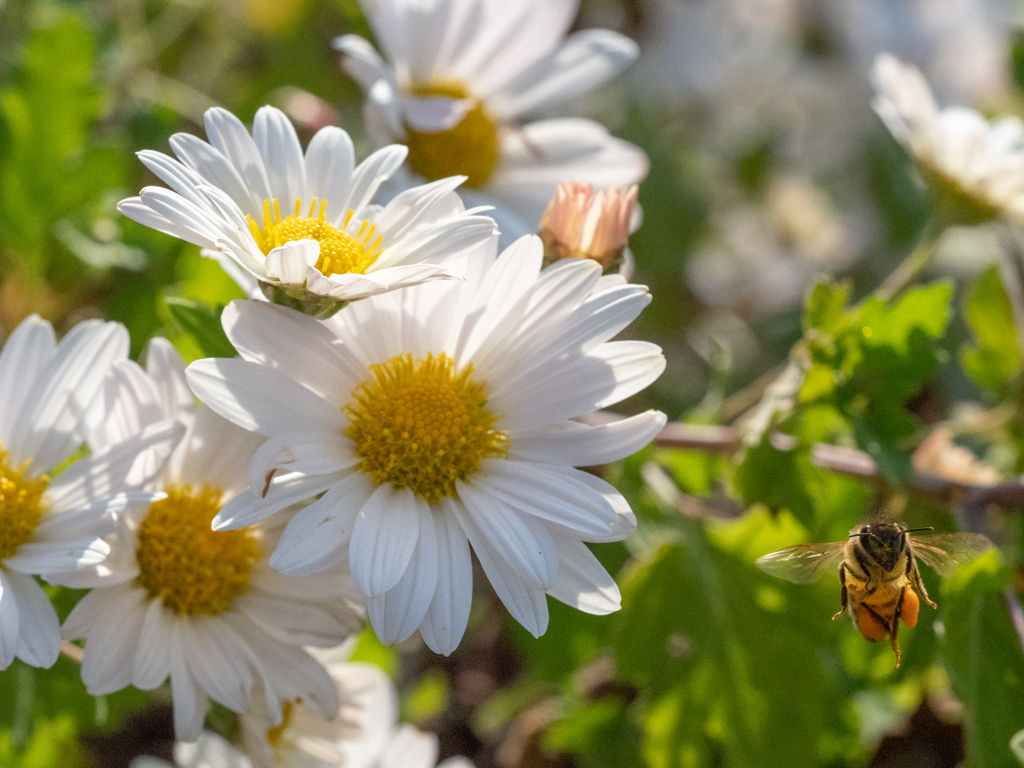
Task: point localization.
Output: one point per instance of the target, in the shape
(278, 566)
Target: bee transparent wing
(945, 552)
(804, 563)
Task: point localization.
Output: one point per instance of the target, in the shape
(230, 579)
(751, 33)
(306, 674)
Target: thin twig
(72, 651)
(726, 441)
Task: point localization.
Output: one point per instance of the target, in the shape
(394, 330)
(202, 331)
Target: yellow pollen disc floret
(469, 149)
(340, 252)
(21, 505)
(276, 734)
(194, 569)
(419, 424)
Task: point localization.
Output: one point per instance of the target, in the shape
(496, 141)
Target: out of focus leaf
(994, 359)
(778, 479)
(719, 645)
(203, 324)
(983, 656)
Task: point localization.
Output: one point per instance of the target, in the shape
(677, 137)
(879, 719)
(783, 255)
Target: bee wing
(804, 563)
(946, 551)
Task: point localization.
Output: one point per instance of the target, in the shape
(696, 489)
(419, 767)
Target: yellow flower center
(419, 424)
(275, 735)
(469, 149)
(21, 505)
(340, 252)
(192, 568)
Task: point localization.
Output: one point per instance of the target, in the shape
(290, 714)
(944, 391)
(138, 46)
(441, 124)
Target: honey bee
(878, 571)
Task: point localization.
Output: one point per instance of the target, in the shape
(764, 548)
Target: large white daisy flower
(441, 418)
(463, 78)
(303, 225)
(974, 168)
(175, 598)
(52, 526)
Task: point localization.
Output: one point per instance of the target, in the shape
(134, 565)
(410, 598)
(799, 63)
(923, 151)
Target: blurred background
(768, 168)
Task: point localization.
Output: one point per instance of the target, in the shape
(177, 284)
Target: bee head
(883, 542)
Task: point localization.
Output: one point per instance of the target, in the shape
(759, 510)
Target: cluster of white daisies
(425, 403)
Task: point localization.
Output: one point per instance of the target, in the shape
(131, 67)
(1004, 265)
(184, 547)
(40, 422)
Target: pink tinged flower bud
(581, 224)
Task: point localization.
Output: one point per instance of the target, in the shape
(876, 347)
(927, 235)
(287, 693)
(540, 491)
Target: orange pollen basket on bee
(192, 568)
(21, 505)
(340, 252)
(910, 608)
(420, 424)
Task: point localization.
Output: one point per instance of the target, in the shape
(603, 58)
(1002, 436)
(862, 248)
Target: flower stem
(914, 264)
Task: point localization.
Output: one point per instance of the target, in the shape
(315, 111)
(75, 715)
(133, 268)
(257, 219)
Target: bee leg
(914, 574)
(843, 596)
(896, 626)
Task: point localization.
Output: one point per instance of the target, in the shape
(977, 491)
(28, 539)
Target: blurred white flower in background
(303, 225)
(974, 168)
(175, 598)
(439, 418)
(461, 81)
(367, 735)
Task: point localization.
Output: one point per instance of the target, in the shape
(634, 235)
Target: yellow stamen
(419, 424)
(195, 570)
(470, 148)
(274, 734)
(21, 505)
(340, 252)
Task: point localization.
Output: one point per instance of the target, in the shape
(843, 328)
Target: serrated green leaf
(994, 359)
(824, 306)
(203, 324)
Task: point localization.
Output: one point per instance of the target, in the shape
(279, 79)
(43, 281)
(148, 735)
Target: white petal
(330, 160)
(287, 264)
(227, 134)
(113, 639)
(37, 625)
(125, 466)
(360, 60)
(9, 623)
(520, 540)
(216, 658)
(371, 173)
(585, 59)
(579, 445)
(582, 581)
(528, 606)
(248, 508)
(215, 169)
(383, 539)
(315, 538)
(57, 557)
(433, 114)
(189, 701)
(260, 399)
(309, 453)
(49, 426)
(295, 344)
(397, 613)
(26, 353)
(531, 488)
(279, 147)
(152, 662)
(167, 369)
(445, 622)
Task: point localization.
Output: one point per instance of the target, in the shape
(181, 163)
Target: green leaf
(739, 667)
(778, 479)
(823, 308)
(994, 359)
(203, 324)
(982, 654)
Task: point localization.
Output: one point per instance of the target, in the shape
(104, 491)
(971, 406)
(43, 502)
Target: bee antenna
(914, 530)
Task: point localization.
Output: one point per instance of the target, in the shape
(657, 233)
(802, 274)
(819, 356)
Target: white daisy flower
(463, 78)
(176, 599)
(974, 168)
(51, 526)
(369, 737)
(303, 225)
(441, 418)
